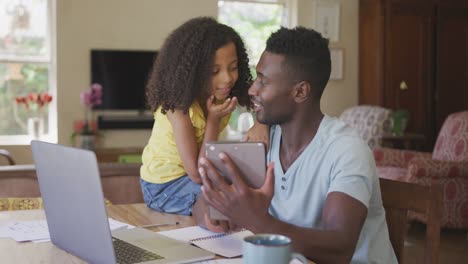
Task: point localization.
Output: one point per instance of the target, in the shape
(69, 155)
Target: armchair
(447, 166)
(372, 122)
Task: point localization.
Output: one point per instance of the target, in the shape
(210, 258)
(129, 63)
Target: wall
(340, 94)
(143, 25)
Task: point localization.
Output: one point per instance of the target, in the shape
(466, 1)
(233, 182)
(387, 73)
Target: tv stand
(143, 112)
(139, 121)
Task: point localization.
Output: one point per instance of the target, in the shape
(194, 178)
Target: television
(123, 75)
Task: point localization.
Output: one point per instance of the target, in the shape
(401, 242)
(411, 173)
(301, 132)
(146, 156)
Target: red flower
(33, 97)
(34, 100)
(46, 98)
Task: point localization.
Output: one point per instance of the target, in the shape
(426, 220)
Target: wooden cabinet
(452, 61)
(414, 55)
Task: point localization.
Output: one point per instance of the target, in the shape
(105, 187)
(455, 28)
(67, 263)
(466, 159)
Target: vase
(35, 127)
(87, 142)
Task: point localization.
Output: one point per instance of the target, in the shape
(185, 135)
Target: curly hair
(307, 56)
(182, 70)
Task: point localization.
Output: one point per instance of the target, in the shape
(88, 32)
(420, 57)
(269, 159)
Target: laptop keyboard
(128, 253)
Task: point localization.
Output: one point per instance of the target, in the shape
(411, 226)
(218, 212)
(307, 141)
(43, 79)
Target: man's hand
(243, 205)
(200, 215)
(221, 110)
(220, 226)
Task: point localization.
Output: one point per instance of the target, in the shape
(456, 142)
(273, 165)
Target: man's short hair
(307, 57)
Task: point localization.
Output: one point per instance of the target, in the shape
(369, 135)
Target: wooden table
(28, 252)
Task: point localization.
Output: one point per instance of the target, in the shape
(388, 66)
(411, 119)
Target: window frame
(50, 59)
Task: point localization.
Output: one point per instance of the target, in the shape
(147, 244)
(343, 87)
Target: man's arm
(342, 215)
(343, 218)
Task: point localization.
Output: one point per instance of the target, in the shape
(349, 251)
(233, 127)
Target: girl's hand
(221, 110)
(260, 133)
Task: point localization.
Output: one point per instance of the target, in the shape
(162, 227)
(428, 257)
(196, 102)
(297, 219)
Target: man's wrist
(262, 224)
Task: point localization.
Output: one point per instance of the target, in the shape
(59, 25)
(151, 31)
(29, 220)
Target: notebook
(228, 245)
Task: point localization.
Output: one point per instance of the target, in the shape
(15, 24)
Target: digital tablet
(250, 158)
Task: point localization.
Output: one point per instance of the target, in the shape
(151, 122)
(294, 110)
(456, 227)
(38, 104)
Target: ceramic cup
(269, 249)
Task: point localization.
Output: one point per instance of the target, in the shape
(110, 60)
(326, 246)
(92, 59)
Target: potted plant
(85, 132)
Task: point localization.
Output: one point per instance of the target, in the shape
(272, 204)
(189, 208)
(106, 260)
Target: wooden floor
(453, 245)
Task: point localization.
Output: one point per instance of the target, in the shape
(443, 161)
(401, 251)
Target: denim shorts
(176, 197)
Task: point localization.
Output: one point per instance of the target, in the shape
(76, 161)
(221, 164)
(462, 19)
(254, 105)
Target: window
(25, 67)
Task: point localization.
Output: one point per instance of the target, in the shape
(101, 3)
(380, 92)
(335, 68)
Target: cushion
(130, 158)
(24, 203)
(20, 203)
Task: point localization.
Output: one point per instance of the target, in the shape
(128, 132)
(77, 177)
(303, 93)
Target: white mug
(269, 249)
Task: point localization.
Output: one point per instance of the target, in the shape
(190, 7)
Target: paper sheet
(38, 232)
(188, 233)
(28, 230)
(221, 261)
(226, 245)
(4, 232)
(234, 261)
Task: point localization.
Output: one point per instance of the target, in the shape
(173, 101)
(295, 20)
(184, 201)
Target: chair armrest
(6, 154)
(422, 167)
(453, 178)
(396, 157)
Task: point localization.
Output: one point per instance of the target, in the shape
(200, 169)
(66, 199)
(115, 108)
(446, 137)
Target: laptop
(76, 215)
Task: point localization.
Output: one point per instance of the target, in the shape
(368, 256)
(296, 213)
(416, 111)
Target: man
(321, 188)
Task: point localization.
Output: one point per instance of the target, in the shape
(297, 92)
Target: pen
(158, 225)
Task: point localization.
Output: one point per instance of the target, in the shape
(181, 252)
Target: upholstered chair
(447, 165)
(372, 122)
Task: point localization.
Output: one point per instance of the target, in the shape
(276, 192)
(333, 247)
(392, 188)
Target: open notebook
(225, 244)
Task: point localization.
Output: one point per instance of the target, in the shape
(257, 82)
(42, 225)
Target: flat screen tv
(123, 75)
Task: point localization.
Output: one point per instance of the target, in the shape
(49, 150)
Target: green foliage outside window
(254, 22)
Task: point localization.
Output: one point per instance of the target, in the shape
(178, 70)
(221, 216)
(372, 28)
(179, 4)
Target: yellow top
(161, 160)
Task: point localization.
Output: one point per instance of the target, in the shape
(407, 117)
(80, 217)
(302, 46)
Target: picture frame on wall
(326, 19)
(336, 56)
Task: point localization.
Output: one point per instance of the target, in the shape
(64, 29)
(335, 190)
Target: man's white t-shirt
(336, 160)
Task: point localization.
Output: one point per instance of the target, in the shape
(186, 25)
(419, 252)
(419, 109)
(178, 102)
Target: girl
(199, 76)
